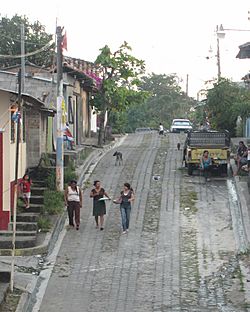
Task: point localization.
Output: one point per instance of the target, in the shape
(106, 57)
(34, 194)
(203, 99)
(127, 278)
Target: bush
(51, 180)
(53, 202)
(44, 223)
(69, 173)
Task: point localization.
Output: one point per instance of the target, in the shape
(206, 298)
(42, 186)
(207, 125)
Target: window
(70, 110)
(23, 124)
(12, 129)
(181, 123)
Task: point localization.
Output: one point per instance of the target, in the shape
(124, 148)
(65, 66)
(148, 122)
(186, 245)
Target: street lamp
(221, 33)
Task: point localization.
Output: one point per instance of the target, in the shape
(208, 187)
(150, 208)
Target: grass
(240, 277)
(86, 185)
(69, 174)
(188, 199)
(53, 202)
(44, 223)
(11, 300)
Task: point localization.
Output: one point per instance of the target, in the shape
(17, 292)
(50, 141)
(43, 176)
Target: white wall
(9, 150)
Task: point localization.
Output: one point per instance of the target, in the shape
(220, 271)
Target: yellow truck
(216, 143)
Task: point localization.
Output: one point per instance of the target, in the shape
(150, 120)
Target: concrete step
(27, 217)
(21, 242)
(24, 226)
(38, 190)
(18, 233)
(38, 183)
(36, 199)
(33, 208)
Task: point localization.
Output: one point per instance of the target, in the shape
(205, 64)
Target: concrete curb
(243, 198)
(29, 298)
(44, 247)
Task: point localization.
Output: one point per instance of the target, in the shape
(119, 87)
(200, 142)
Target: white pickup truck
(179, 125)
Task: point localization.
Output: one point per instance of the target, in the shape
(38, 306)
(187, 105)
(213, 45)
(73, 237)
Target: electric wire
(49, 44)
(19, 41)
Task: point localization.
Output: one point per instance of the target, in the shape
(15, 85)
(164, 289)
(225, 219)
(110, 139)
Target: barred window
(12, 129)
(24, 125)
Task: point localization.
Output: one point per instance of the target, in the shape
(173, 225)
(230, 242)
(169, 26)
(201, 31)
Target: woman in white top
(73, 201)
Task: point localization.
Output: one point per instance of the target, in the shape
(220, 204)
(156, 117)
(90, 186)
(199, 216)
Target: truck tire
(190, 169)
(223, 169)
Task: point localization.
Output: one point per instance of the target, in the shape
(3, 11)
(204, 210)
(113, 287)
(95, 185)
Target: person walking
(125, 200)
(99, 205)
(26, 189)
(161, 129)
(73, 201)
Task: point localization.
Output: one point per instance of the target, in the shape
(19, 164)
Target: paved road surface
(179, 254)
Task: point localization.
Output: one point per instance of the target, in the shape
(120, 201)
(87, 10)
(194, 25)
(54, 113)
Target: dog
(118, 159)
(178, 146)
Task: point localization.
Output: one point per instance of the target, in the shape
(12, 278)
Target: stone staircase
(26, 220)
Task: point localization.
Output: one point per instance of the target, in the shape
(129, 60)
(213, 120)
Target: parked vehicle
(179, 125)
(216, 143)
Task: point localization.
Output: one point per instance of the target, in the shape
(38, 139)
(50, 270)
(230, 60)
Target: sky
(170, 36)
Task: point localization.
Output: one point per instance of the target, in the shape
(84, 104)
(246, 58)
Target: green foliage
(51, 180)
(166, 102)
(120, 73)
(35, 38)
(53, 202)
(69, 173)
(225, 102)
(44, 223)
(198, 116)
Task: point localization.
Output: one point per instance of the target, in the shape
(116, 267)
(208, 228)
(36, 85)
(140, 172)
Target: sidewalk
(30, 260)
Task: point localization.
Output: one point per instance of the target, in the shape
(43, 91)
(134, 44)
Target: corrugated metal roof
(32, 100)
(244, 51)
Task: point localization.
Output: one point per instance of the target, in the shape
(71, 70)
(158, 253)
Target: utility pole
(22, 58)
(59, 138)
(187, 84)
(18, 136)
(218, 54)
(21, 77)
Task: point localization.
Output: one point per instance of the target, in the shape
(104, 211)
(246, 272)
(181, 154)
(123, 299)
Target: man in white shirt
(161, 129)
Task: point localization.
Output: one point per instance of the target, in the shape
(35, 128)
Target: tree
(35, 39)
(225, 102)
(167, 101)
(120, 73)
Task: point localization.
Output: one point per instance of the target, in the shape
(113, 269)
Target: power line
(49, 44)
(19, 41)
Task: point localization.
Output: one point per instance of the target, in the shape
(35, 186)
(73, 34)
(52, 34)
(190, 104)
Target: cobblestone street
(180, 252)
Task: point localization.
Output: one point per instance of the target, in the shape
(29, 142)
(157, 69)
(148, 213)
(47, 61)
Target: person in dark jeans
(125, 200)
